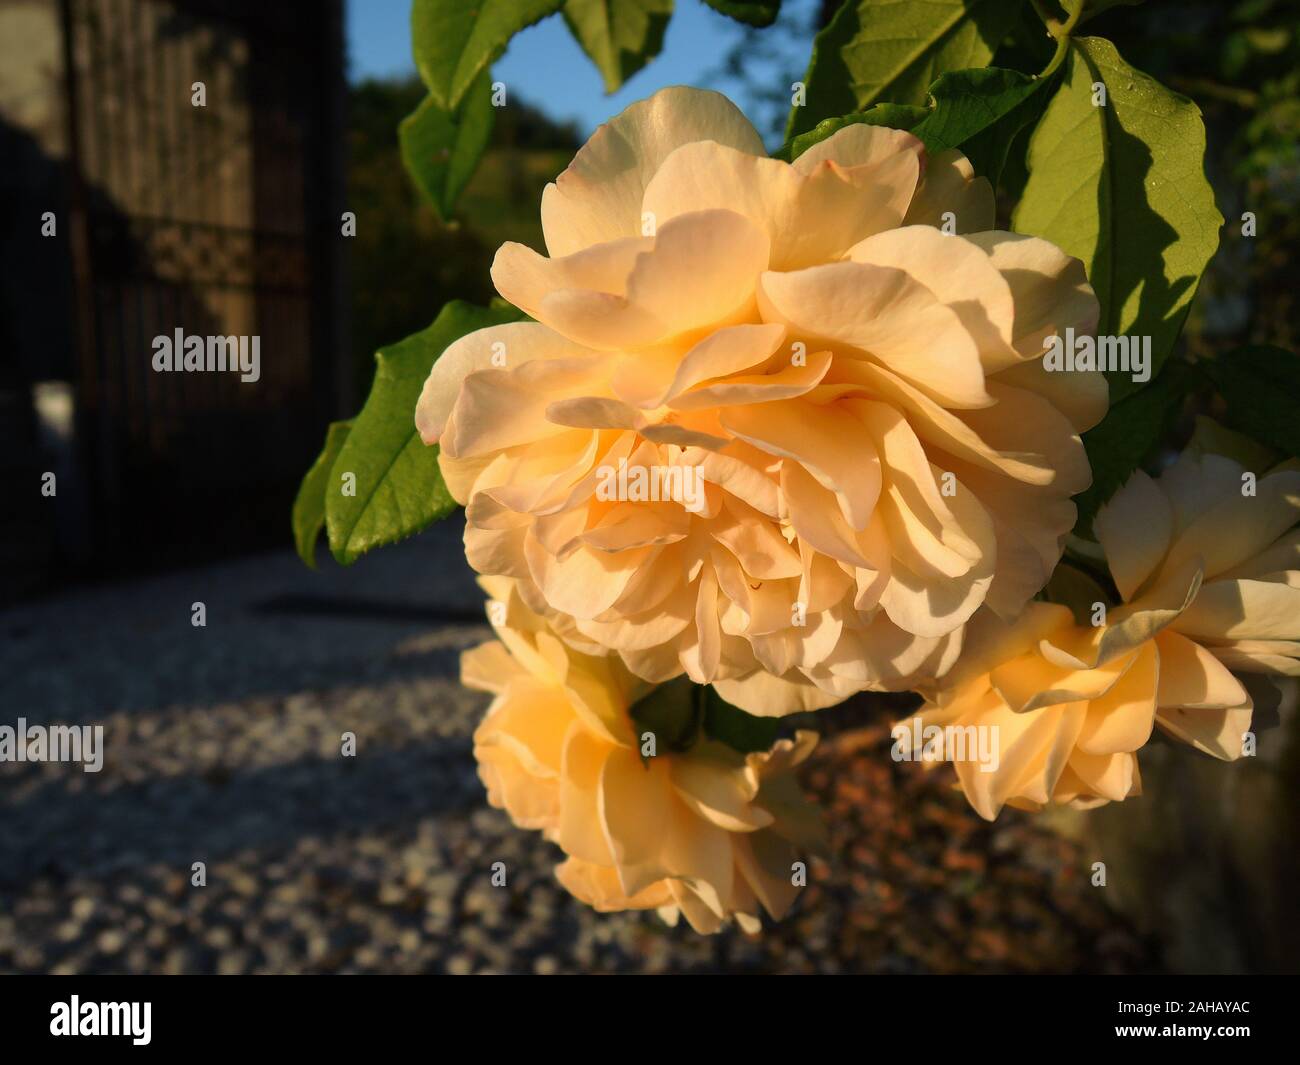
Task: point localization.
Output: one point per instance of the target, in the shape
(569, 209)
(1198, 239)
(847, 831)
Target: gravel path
(223, 746)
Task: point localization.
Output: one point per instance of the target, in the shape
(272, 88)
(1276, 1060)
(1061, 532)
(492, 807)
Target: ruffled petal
(598, 197)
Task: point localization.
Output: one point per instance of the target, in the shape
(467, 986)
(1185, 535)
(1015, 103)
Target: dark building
(167, 164)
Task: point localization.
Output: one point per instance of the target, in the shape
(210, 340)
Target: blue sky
(545, 66)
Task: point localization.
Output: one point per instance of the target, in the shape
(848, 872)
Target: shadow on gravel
(205, 816)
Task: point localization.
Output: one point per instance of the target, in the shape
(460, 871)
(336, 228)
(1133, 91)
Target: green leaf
(680, 710)
(441, 150)
(1211, 438)
(739, 730)
(672, 712)
(895, 116)
(758, 13)
(455, 41)
(979, 111)
(309, 504)
(983, 111)
(1123, 188)
(1260, 384)
(966, 103)
(398, 488)
(878, 50)
(1073, 586)
(620, 36)
(1130, 434)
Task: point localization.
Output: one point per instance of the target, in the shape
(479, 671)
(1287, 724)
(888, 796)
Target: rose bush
(881, 450)
(783, 426)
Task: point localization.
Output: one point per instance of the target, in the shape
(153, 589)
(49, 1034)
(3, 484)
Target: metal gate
(205, 148)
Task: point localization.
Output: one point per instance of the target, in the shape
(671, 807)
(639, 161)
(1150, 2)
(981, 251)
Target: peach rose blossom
(860, 394)
(709, 833)
(1211, 579)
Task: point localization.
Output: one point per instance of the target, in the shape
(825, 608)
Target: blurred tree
(1240, 62)
(405, 263)
(768, 60)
